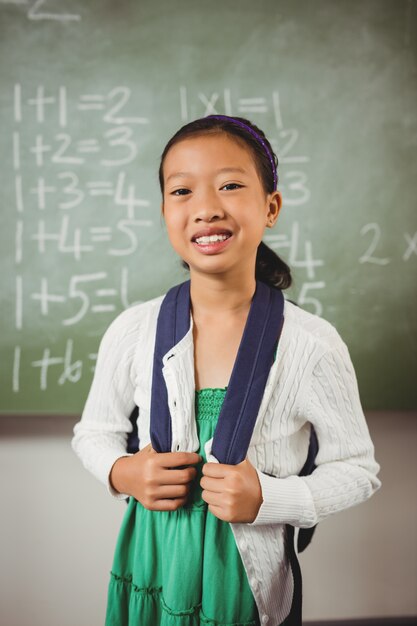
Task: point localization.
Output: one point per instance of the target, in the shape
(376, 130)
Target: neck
(216, 295)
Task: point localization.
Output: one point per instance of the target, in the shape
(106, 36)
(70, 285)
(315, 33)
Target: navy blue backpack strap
(304, 537)
(132, 445)
(172, 325)
(250, 372)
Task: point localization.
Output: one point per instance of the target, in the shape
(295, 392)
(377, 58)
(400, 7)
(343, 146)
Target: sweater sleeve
(100, 437)
(346, 472)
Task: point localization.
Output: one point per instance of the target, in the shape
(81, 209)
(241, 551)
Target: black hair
(269, 268)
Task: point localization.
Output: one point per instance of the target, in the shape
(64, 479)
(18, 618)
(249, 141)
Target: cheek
(172, 219)
(252, 218)
(175, 226)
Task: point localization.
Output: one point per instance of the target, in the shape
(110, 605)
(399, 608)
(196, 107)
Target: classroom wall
(59, 528)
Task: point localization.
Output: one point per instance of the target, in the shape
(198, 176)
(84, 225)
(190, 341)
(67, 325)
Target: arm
(101, 434)
(346, 472)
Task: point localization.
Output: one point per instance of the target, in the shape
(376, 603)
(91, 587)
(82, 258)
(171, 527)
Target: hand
(151, 478)
(233, 492)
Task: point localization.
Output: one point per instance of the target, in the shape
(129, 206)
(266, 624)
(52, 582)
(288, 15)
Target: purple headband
(257, 137)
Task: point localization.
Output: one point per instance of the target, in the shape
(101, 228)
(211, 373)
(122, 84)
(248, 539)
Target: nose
(208, 206)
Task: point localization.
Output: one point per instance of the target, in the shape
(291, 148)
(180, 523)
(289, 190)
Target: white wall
(59, 528)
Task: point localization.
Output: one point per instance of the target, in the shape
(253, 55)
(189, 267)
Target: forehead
(217, 150)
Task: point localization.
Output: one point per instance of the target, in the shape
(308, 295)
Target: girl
(226, 408)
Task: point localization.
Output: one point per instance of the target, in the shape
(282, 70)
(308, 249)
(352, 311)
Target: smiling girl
(231, 381)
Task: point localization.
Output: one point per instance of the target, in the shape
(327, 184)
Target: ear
(162, 208)
(274, 207)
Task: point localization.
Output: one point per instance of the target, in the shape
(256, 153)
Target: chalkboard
(91, 92)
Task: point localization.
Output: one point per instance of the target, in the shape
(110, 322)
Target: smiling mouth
(204, 240)
(212, 245)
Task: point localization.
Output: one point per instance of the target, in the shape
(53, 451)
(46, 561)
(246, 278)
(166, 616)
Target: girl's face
(211, 185)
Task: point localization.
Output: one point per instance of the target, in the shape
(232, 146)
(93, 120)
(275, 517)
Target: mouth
(212, 245)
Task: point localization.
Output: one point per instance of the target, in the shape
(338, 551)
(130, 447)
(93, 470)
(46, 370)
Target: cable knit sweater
(312, 381)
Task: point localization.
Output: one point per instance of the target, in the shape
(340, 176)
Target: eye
(180, 192)
(235, 185)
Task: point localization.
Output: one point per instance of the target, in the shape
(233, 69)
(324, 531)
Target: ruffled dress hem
(193, 616)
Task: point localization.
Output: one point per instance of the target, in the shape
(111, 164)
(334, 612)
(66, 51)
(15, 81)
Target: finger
(168, 504)
(212, 498)
(216, 510)
(217, 470)
(172, 491)
(176, 476)
(175, 459)
(211, 484)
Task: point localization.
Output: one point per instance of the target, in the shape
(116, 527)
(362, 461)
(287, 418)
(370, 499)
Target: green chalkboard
(90, 93)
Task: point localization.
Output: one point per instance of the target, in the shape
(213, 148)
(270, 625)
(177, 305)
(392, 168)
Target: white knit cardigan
(312, 381)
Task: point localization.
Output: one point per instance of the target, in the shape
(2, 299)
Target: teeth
(212, 238)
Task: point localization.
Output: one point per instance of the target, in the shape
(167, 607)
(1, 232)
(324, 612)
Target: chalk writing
(62, 192)
(71, 370)
(113, 103)
(411, 245)
(300, 256)
(370, 255)
(37, 10)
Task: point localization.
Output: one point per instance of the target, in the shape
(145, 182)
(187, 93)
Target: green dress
(180, 568)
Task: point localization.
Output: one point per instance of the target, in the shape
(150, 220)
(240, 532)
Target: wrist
(118, 476)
